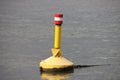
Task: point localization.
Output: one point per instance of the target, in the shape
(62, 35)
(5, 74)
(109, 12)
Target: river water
(90, 36)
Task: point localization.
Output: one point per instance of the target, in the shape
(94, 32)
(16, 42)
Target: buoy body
(56, 63)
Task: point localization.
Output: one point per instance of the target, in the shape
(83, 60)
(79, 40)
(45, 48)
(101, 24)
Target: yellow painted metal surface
(55, 62)
(57, 37)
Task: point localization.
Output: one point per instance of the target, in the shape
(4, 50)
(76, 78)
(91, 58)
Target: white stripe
(58, 19)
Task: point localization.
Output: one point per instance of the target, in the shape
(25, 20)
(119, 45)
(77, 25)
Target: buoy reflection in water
(55, 76)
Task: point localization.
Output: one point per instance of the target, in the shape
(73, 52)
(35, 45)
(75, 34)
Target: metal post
(57, 37)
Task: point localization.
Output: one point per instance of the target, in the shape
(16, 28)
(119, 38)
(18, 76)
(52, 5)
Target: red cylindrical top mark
(58, 19)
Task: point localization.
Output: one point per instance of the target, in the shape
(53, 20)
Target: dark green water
(90, 36)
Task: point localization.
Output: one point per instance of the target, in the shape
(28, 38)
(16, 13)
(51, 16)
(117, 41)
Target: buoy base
(65, 69)
(56, 64)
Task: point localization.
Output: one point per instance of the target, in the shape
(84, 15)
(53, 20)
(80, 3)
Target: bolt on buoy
(56, 63)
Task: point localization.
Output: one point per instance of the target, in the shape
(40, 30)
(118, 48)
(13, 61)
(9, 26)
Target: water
(90, 36)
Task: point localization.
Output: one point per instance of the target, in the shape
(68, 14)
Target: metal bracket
(56, 52)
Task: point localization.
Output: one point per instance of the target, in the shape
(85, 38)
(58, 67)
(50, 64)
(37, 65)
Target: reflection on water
(55, 76)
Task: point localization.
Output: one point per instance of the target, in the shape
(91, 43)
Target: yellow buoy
(56, 63)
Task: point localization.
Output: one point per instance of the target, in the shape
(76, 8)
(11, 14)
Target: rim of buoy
(56, 70)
